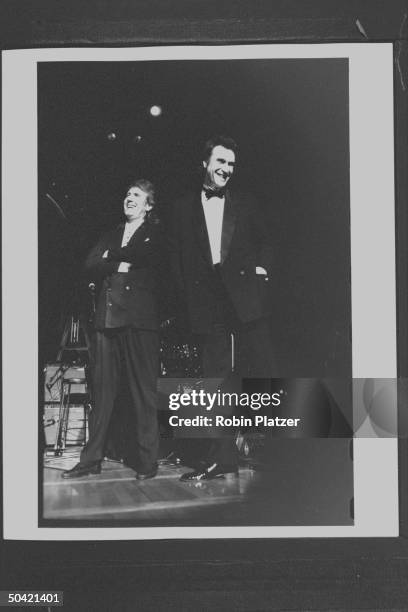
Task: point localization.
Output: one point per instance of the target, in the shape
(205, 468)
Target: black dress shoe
(145, 475)
(83, 469)
(170, 459)
(210, 472)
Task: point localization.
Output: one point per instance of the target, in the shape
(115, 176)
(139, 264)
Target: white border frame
(373, 282)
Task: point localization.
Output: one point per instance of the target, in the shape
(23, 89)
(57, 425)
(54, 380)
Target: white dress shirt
(214, 213)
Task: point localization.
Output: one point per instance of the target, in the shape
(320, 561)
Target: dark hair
(150, 190)
(224, 141)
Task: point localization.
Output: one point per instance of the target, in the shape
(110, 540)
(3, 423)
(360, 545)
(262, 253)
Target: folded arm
(97, 266)
(139, 254)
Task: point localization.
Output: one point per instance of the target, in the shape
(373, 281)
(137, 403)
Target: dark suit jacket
(126, 299)
(245, 244)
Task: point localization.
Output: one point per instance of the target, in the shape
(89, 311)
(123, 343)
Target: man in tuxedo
(222, 264)
(124, 265)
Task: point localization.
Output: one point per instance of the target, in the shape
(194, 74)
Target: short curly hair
(147, 186)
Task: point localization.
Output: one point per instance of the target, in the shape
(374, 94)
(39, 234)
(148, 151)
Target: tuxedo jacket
(245, 244)
(126, 298)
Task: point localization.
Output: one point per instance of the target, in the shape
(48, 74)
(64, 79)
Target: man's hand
(260, 270)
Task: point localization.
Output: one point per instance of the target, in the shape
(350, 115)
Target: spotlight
(111, 136)
(155, 111)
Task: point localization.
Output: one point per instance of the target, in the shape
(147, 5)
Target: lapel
(118, 235)
(228, 225)
(200, 228)
(139, 233)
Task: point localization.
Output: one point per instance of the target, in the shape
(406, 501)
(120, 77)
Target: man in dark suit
(124, 265)
(222, 263)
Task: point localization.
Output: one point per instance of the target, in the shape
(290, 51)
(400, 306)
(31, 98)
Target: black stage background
(290, 118)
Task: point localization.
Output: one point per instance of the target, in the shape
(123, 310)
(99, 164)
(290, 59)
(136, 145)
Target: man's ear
(204, 164)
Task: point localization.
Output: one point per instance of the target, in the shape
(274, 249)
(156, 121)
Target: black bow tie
(212, 193)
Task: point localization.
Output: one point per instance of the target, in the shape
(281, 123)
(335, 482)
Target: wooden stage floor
(299, 482)
(115, 494)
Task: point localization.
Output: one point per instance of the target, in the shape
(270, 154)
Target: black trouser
(253, 358)
(250, 356)
(137, 351)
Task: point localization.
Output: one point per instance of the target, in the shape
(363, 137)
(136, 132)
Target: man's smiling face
(219, 167)
(135, 204)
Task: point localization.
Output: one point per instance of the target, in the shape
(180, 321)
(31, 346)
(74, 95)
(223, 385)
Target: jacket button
(127, 288)
(242, 272)
(266, 278)
(109, 303)
(109, 289)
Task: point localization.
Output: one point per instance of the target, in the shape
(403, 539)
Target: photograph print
(194, 293)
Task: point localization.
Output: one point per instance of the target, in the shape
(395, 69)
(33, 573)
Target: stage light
(155, 111)
(111, 136)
